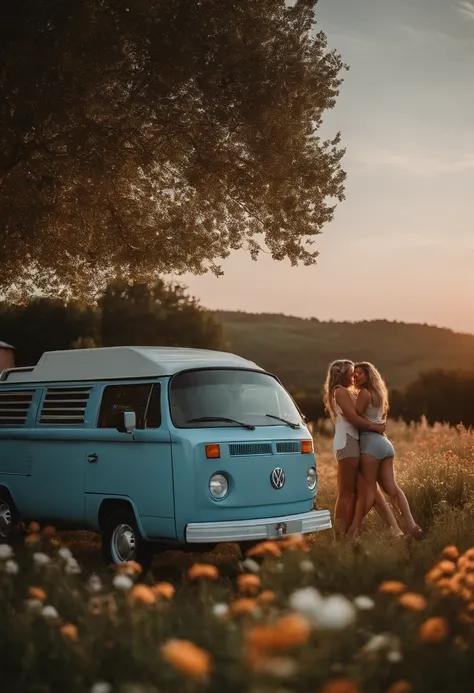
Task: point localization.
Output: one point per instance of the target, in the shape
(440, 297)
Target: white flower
(94, 584)
(65, 553)
(122, 582)
(394, 656)
(41, 558)
(6, 551)
(364, 603)
(35, 605)
(382, 641)
(251, 565)
(307, 601)
(307, 566)
(11, 567)
(279, 667)
(49, 612)
(220, 610)
(72, 567)
(101, 687)
(336, 613)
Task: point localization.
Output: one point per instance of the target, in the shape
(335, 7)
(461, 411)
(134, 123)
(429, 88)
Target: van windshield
(225, 397)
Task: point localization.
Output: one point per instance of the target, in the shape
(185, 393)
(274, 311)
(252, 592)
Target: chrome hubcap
(5, 519)
(123, 544)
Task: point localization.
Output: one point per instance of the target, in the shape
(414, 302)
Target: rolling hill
(299, 350)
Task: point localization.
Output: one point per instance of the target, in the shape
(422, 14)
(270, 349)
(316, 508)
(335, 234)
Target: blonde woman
(376, 451)
(340, 404)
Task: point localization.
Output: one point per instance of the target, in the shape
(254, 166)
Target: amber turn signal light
(306, 447)
(213, 451)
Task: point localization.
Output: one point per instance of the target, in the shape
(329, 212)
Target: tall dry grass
(302, 617)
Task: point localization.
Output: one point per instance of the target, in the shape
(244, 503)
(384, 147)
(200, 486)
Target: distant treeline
(445, 396)
(163, 314)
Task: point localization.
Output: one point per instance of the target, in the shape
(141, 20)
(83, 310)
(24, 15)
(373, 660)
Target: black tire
(122, 541)
(10, 531)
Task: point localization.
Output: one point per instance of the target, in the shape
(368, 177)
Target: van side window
(14, 406)
(144, 400)
(64, 406)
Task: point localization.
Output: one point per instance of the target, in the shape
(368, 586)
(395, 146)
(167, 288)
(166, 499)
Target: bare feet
(415, 532)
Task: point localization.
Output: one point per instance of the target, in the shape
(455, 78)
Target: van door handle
(92, 459)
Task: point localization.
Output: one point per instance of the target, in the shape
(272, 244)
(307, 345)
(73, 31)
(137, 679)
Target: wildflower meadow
(299, 615)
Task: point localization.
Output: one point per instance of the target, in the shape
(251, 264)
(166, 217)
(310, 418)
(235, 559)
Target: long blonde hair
(375, 385)
(336, 372)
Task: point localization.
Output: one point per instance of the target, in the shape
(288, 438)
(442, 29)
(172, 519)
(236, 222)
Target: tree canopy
(145, 137)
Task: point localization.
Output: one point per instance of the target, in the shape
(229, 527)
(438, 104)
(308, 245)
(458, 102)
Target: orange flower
(267, 597)
(433, 575)
(249, 584)
(37, 593)
(187, 658)
(294, 542)
(243, 606)
(340, 685)
(469, 554)
(49, 531)
(400, 687)
(448, 567)
(451, 552)
(69, 631)
(291, 631)
(33, 528)
(469, 580)
(32, 539)
(392, 587)
(463, 563)
(142, 594)
(265, 548)
(286, 633)
(163, 589)
(434, 630)
(203, 570)
(131, 568)
(413, 601)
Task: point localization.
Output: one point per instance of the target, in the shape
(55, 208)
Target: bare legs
(347, 473)
(368, 495)
(387, 481)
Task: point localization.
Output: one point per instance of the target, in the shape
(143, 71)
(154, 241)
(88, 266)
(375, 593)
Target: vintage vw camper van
(155, 447)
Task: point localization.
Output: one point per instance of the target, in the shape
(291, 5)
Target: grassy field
(300, 617)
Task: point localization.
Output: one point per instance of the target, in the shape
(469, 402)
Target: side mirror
(127, 421)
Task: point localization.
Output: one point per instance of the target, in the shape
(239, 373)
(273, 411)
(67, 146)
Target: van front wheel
(122, 542)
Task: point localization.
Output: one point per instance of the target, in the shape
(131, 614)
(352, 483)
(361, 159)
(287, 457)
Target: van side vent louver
(64, 406)
(242, 449)
(286, 448)
(14, 407)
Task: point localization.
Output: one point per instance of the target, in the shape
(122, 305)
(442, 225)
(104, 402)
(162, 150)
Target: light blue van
(155, 447)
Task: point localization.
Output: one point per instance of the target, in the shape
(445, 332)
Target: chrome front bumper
(258, 529)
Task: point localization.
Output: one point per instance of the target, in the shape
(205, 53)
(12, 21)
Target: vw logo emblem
(277, 477)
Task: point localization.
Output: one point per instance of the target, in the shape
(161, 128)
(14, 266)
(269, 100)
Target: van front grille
(243, 449)
(287, 447)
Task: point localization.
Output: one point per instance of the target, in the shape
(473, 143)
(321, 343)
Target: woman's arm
(347, 404)
(362, 401)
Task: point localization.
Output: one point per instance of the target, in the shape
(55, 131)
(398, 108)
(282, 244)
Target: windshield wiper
(222, 418)
(292, 424)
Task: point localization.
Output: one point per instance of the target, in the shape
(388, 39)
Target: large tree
(146, 136)
(162, 314)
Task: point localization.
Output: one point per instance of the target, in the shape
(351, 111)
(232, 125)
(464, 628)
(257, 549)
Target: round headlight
(218, 486)
(312, 478)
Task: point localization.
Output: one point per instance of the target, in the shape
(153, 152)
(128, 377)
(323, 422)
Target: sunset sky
(402, 244)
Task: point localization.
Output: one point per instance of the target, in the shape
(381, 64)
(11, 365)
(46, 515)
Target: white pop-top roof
(121, 362)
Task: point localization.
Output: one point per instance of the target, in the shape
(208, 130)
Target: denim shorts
(375, 445)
